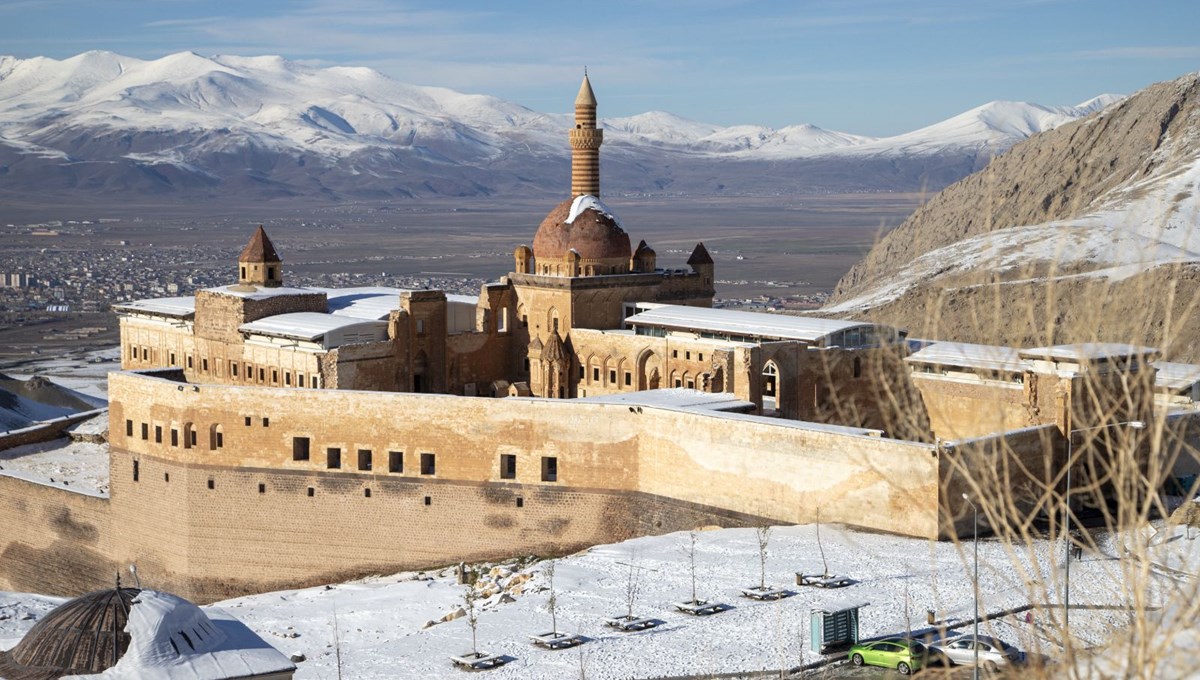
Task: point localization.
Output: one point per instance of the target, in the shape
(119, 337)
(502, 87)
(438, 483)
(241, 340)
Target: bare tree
(689, 549)
(472, 614)
(762, 534)
(631, 589)
(820, 547)
(552, 602)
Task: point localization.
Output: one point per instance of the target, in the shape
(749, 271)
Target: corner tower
(259, 264)
(585, 144)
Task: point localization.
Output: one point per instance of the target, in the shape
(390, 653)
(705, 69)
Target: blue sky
(873, 67)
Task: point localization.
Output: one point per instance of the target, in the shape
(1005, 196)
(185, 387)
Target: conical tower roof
(700, 255)
(585, 97)
(259, 249)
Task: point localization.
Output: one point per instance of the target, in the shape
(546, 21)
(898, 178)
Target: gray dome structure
(84, 636)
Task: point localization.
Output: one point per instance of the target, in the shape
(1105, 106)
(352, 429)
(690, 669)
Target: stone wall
(45, 430)
(53, 540)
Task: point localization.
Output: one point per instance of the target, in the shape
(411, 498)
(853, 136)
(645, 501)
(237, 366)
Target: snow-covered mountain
(1105, 208)
(264, 126)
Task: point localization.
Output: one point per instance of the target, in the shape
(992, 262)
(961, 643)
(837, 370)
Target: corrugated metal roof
(373, 302)
(735, 322)
(181, 307)
(1175, 376)
(987, 357)
(305, 325)
(1087, 351)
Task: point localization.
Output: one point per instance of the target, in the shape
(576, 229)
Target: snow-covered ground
(78, 466)
(86, 372)
(382, 624)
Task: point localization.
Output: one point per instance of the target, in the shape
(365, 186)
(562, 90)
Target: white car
(993, 652)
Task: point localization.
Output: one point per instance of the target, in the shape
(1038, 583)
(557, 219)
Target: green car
(905, 656)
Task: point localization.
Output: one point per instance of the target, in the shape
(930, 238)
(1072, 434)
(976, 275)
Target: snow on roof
(374, 302)
(261, 292)
(173, 639)
(1174, 376)
(736, 322)
(988, 357)
(587, 202)
(1087, 352)
(182, 307)
(463, 299)
(304, 325)
(676, 397)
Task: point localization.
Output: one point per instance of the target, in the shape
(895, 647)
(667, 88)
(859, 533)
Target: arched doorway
(770, 387)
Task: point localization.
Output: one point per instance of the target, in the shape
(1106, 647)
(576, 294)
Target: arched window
(216, 438)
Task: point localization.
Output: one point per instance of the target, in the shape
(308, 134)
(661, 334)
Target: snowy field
(383, 623)
(84, 372)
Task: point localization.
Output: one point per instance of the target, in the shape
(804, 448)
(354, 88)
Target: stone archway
(647, 368)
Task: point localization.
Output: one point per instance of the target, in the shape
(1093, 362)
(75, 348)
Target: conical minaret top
(585, 144)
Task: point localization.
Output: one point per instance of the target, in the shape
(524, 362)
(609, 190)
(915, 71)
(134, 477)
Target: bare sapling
(472, 616)
(631, 590)
(762, 535)
(820, 547)
(689, 549)
(552, 602)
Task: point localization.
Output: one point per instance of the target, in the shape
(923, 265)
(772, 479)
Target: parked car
(993, 652)
(905, 656)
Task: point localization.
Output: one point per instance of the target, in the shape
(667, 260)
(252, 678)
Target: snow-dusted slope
(191, 121)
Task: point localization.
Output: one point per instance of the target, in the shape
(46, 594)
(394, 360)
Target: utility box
(834, 626)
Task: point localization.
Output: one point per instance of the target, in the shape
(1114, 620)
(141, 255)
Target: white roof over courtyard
(1174, 376)
(966, 355)
(179, 307)
(1087, 352)
(331, 329)
(737, 323)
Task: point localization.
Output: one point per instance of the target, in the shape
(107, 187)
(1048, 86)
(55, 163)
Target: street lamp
(975, 540)
(1134, 424)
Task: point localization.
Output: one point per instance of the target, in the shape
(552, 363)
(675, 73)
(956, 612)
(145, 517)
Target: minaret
(585, 144)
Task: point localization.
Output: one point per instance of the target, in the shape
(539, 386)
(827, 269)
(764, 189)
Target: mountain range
(196, 128)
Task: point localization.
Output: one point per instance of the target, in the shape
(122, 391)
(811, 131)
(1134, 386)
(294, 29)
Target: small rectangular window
(158, 434)
(582, 373)
(262, 375)
(314, 382)
(145, 431)
(274, 376)
(612, 376)
(233, 369)
(266, 422)
(172, 358)
(211, 484)
(204, 365)
(299, 380)
(145, 354)
(700, 357)
(287, 378)
(135, 470)
(247, 421)
(674, 354)
(428, 500)
(128, 428)
(299, 448)
(174, 437)
(333, 458)
(364, 459)
(220, 440)
(262, 488)
(167, 477)
(595, 374)
(549, 469)
(520, 502)
(395, 461)
(508, 466)
(428, 464)
(628, 378)
(189, 361)
(310, 492)
(367, 492)
(193, 436)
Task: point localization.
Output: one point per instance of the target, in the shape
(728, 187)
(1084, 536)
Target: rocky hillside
(1097, 216)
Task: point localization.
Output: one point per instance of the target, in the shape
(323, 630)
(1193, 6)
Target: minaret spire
(585, 143)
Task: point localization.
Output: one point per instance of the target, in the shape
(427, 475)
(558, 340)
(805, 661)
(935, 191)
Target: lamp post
(1134, 424)
(975, 540)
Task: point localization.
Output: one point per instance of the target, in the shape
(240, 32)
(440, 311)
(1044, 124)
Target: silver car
(993, 652)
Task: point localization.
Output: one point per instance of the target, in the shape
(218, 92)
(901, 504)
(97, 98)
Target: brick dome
(582, 224)
(81, 637)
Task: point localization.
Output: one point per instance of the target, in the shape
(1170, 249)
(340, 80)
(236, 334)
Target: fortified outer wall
(53, 540)
(249, 517)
